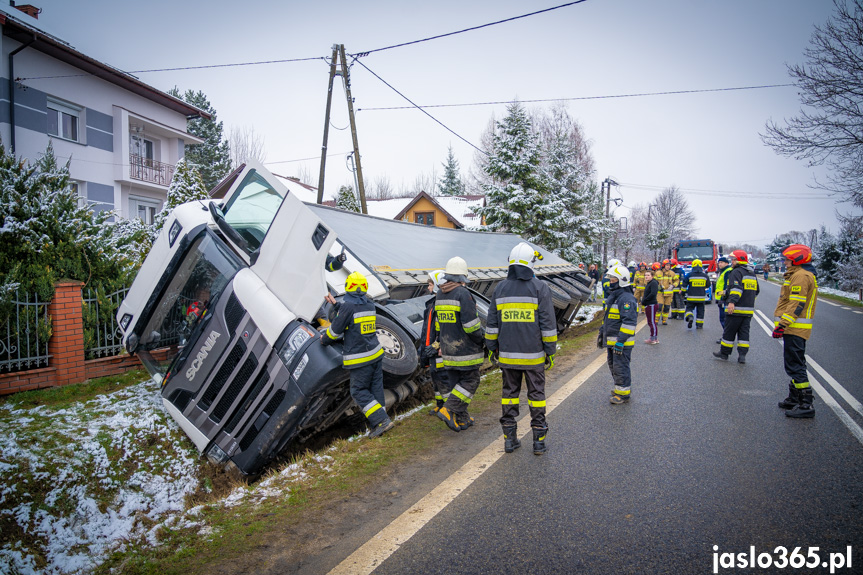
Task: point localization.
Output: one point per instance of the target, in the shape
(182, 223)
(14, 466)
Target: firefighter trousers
(696, 308)
(736, 326)
(464, 384)
(535, 380)
(367, 389)
(678, 305)
(619, 367)
(440, 382)
(721, 314)
(664, 300)
(795, 358)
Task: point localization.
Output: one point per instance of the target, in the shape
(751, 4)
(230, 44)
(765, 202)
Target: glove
(341, 258)
(778, 332)
(492, 356)
(429, 352)
(600, 337)
(618, 348)
(549, 362)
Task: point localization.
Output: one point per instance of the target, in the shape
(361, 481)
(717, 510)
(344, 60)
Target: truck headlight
(295, 341)
(216, 455)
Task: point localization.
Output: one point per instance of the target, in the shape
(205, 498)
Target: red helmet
(674, 262)
(741, 256)
(643, 265)
(798, 254)
(655, 266)
(665, 261)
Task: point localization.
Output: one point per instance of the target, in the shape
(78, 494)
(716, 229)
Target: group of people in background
(662, 291)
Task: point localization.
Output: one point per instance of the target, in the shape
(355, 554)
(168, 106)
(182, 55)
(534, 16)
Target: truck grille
(234, 312)
(270, 409)
(252, 395)
(222, 375)
(233, 391)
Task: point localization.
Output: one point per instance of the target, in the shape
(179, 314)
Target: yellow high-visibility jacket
(796, 306)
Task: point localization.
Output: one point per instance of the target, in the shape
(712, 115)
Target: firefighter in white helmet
(361, 352)
(521, 333)
(461, 343)
(621, 317)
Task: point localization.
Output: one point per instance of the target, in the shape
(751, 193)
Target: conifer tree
(213, 157)
(186, 186)
(450, 183)
(346, 200)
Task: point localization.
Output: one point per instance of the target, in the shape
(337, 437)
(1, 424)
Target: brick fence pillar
(66, 345)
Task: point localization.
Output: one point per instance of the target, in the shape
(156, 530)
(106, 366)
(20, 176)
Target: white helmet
(613, 262)
(456, 267)
(436, 277)
(633, 265)
(620, 272)
(524, 255)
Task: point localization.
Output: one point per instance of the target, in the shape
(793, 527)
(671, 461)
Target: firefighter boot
(720, 355)
(448, 417)
(804, 408)
(689, 319)
(539, 434)
(510, 439)
(792, 399)
(741, 354)
(464, 420)
(382, 427)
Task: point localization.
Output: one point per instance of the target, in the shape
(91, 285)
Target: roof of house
(17, 27)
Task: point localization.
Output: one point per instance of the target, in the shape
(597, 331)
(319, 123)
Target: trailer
(226, 309)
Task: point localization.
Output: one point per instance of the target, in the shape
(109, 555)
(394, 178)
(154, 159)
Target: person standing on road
(593, 273)
(621, 318)
(697, 283)
(648, 300)
(766, 268)
(678, 307)
(667, 282)
(639, 282)
(793, 323)
(429, 348)
(521, 335)
(741, 289)
(724, 268)
(361, 352)
(461, 343)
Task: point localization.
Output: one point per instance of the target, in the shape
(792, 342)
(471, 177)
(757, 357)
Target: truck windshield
(689, 253)
(198, 280)
(252, 208)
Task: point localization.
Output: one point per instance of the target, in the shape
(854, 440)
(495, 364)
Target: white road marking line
(828, 302)
(852, 401)
(377, 549)
(825, 396)
(764, 325)
(848, 308)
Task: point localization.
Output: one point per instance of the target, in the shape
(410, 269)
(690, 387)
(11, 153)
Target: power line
(606, 97)
(366, 53)
(734, 194)
(447, 128)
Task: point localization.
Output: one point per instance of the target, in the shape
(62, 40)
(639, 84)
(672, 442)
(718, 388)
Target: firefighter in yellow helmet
(793, 324)
(362, 354)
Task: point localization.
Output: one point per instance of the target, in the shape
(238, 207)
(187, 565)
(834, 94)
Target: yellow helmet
(356, 283)
(696, 263)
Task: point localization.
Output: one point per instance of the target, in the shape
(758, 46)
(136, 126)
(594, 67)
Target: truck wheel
(559, 297)
(580, 291)
(582, 278)
(400, 355)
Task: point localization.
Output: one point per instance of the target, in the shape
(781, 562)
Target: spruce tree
(451, 184)
(186, 186)
(213, 157)
(346, 200)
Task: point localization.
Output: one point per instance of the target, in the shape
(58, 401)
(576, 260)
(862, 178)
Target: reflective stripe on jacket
(459, 330)
(521, 325)
(720, 283)
(697, 283)
(621, 317)
(741, 289)
(355, 320)
(796, 306)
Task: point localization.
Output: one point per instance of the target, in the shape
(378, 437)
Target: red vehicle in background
(707, 251)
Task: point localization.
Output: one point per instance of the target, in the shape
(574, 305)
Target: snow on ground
(848, 294)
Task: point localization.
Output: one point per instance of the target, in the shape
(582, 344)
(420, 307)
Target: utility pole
(347, 80)
(339, 55)
(607, 183)
(327, 125)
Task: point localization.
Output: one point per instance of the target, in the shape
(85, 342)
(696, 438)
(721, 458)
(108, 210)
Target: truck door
(285, 244)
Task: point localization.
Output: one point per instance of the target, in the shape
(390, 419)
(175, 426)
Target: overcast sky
(703, 143)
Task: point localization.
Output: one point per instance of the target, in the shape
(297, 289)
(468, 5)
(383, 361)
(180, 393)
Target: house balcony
(150, 171)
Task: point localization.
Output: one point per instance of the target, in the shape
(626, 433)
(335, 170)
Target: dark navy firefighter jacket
(355, 319)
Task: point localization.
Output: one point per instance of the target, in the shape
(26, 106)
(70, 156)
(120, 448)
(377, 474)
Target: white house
(123, 136)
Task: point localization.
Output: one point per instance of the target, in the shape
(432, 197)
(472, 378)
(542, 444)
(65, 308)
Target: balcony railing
(147, 170)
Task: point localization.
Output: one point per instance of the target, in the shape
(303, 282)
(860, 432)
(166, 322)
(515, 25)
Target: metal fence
(25, 328)
(102, 335)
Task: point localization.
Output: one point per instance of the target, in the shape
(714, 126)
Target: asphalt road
(700, 463)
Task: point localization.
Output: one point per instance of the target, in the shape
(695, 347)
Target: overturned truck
(224, 312)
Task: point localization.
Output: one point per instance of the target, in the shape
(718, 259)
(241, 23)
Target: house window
(145, 209)
(63, 120)
(426, 218)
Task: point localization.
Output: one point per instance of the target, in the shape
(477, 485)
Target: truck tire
(581, 278)
(581, 291)
(400, 355)
(559, 297)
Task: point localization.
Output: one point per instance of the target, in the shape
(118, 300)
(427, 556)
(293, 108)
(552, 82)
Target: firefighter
(667, 281)
(724, 268)
(362, 354)
(697, 284)
(461, 338)
(678, 305)
(793, 323)
(606, 285)
(521, 335)
(741, 289)
(639, 283)
(621, 317)
(429, 348)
